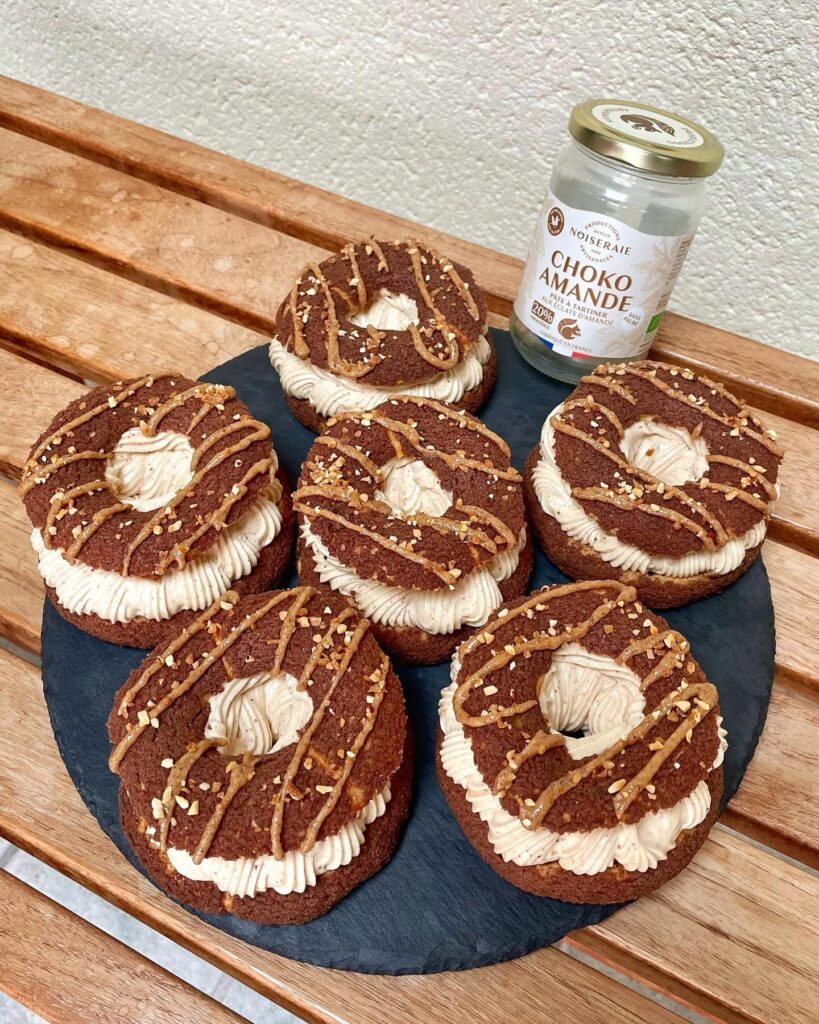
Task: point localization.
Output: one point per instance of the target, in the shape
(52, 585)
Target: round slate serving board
(436, 906)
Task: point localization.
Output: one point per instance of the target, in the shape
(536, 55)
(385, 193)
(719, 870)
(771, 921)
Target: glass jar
(624, 201)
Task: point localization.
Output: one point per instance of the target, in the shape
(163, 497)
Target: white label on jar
(640, 123)
(593, 286)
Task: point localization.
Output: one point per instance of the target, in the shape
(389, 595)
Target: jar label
(593, 286)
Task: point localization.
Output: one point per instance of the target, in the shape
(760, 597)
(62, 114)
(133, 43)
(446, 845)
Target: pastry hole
(409, 485)
(258, 714)
(388, 311)
(670, 454)
(146, 471)
(590, 699)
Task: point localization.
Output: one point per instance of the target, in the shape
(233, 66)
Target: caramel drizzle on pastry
(241, 771)
(277, 823)
(44, 470)
(735, 422)
(350, 452)
(652, 508)
(704, 697)
(212, 396)
(336, 363)
(379, 678)
(440, 570)
(357, 280)
(461, 418)
(610, 385)
(738, 425)
(535, 747)
(454, 353)
(258, 432)
(111, 402)
(359, 501)
(208, 659)
(696, 698)
(756, 474)
(371, 244)
(397, 429)
(589, 404)
(542, 641)
(177, 777)
(411, 435)
(627, 504)
(85, 533)
(678, 648)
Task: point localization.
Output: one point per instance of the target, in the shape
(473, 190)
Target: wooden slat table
(122, 250)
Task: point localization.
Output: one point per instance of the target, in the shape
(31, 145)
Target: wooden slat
(776, 381)
(31, 396)
(147, 233)
(777, 799)
(41, 812)
(21, 587)
(744, 923)
(70, 972)
(102, 327)
(794, 580)
(313, 214)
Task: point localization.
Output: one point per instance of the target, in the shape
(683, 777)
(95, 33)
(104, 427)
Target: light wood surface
(123, 250)
(69, 972)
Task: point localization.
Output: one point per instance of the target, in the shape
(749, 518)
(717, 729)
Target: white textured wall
(451, 112)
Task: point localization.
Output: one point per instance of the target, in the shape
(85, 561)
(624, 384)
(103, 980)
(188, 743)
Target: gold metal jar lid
(647, 138)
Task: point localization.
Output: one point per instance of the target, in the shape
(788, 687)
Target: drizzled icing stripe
(624, 797)
(410, 434)
(594, 494)
(241, 772)
(117, 399)
(212, 396)
(738, 425)
(694, 699)
(208, 659)
(370, 715)
(44, 470)
(742, 411)
(678, 648)
(333, 487)
(312, 272)
(277, 823)
(496, 714)
(437, 568)
(259, 432)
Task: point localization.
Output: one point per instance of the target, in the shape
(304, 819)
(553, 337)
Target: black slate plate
(436, 906)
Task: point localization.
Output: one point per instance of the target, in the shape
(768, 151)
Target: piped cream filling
(146, 470)
(555, 497)
(249, 876)
(389, 311)
(409, 485)
(330, 394)
(469, 603)
(116, 598)
(640, 846)
(258, 714)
